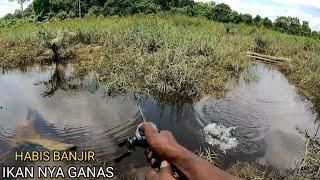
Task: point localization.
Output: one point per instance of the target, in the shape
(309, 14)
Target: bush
(261, 45)
(58, 42)
(230, 28)
(147, 6)
(62, 15)
(95, 11)
(72, 14)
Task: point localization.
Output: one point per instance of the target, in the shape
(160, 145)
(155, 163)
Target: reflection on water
(75, 117)
(58, 81)
(266, 115)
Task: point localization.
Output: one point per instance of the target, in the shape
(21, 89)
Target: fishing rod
(139, 140)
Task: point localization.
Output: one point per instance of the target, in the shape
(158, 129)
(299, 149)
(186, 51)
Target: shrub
(261, 45)
(95, 11)
(230, 28)
(62, 15)
(72, 14)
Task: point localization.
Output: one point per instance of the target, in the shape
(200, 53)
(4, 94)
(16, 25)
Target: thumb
(165, 168)
(147, 129)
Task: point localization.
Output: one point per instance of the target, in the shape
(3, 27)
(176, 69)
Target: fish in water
(216, 134)
(30, 134)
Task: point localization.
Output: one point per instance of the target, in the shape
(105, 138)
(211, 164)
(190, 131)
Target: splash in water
(220, 136)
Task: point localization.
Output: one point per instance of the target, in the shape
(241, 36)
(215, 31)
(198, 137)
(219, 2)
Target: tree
(41, 7)
(20, 2)
(57, 6)
(246, 18)
(257, 20)
(167, 4)
(282, 24)
(294, 26)
(221, 12)
(203, 9)
(234, 16)
(315, 35)
(147, 6)
(306, 30)
(79, 8)
(267, 23)
(95, 11)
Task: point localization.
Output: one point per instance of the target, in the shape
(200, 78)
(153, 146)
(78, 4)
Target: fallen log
(267, 58)
(263, 59)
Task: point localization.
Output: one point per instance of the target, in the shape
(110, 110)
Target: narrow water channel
(258, 121)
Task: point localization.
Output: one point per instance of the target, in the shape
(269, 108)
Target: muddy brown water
(267, 115)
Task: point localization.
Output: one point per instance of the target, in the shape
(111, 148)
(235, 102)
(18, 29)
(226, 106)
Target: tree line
(41, 10)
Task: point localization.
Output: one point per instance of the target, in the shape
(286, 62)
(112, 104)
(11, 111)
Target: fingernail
(164, 164)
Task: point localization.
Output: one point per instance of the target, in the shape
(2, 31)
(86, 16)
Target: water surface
(267, 116)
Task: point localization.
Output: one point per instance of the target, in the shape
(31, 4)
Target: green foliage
(96, 11)
(230, 28)
(306, 31)
(72, 14)
(292, 26)
(116, 7)
(267, 23)
(203, 9)
(221, 12)
(62, 15)
(64, 5)
(57, 42)
(246, 18)
(41, 7)
(41, 10)
(257, 20)
(235, 17)
(315, 35)
(168, 4)
(147, 6)
(261, 45)
(178, 56)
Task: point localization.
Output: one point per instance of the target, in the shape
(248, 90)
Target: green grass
(162, 54)
(175, 57)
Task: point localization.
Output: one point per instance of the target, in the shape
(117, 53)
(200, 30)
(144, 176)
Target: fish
(29, 134)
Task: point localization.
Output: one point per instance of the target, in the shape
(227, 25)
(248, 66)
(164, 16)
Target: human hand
(165, 173)
(162, 145)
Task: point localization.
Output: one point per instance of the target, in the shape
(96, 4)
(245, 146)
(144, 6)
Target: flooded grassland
(187, 75)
